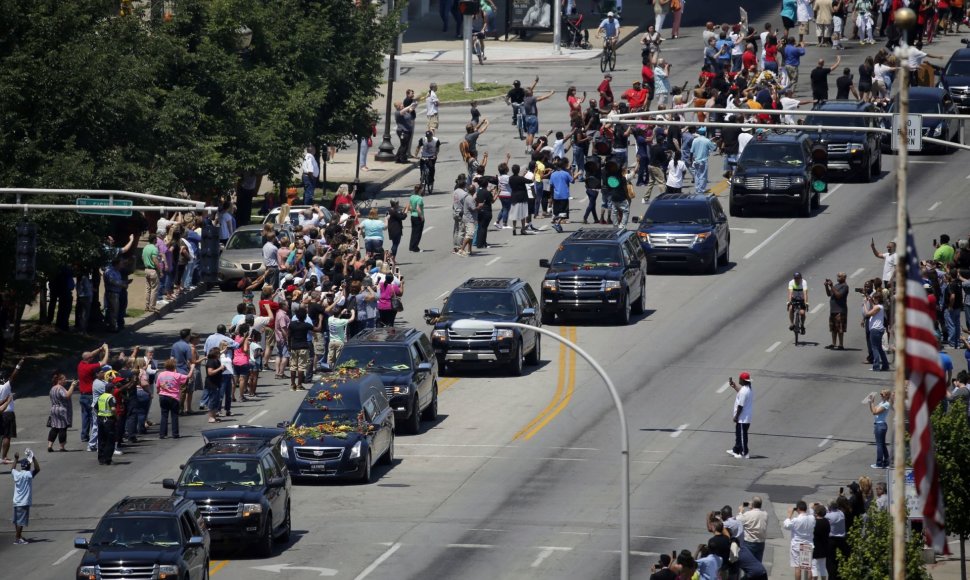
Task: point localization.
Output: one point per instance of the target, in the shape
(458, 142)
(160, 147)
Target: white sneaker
(733, 454)
(118, 452)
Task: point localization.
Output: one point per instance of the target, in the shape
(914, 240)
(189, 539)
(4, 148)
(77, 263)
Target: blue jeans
(138, 414)
(189, 273)
(579, 160)
(225, 392)
(882, 452)
(86, 415)
(952, 318)
(620, 158)
(700, 176)
(309, 184)
(880, 363)
(538, 208)
(503, 214)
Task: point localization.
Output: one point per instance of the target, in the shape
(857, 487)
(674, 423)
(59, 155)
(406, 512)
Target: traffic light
(469, 7)
(209, 254)
(820, 167)
(26, 253)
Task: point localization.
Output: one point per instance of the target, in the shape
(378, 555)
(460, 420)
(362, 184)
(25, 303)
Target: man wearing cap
(743, 408)
(105, 410)
(610, 29)
(427, 152)
(98, 386)
(636, 97)
(24, 472)
(606, 92)
(700, 150)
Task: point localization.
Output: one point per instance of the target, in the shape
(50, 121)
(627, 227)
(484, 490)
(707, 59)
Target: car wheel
(866, 176)
(623, 317)
(726, 259)
(548, 317)
(365, 477)
(287, 526)
(515, 365)
(641, 303)
(264, 549)
(806, 209)
(388, 457)
(877, 168)
(430, 412)
(413, 424)
(532, 359)
(816, 201)
(735, 210)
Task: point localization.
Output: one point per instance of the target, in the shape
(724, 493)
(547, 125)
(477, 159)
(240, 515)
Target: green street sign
(89, 202)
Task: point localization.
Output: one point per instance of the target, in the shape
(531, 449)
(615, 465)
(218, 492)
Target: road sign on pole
(90, 202)
(914, 132)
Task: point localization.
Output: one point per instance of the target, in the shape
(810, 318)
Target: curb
(484, 101)
(168, 308)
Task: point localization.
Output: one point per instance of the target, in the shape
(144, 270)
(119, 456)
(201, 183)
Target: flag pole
(904, 19)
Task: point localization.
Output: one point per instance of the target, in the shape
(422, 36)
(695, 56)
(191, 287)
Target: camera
(828, 282)
(859, 290)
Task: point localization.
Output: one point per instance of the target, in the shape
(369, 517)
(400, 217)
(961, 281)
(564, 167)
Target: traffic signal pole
(466, 25)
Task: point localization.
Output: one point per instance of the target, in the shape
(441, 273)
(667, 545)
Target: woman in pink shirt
(169, 385)
(387, 289)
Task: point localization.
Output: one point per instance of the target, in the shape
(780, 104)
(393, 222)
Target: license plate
(318, 467)
(469, 356)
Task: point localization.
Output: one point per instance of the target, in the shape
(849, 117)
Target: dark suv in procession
(491, 300)
(774, 170)
(147, 538)
(596, 271)
(241, 485)
(686, 229)
(856, 154)
(405, 361)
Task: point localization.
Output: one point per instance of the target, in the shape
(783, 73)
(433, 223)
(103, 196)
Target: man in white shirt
(310, 171)
(888, 261)
(916, 58)
(743, 408)
(755, 522)
(802, 527)
(789, 103)
(743, 139)
(432, 110)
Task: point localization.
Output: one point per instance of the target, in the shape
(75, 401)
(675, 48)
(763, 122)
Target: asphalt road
(518, 478)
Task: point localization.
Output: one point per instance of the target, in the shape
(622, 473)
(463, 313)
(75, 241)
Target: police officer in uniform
(105, 409)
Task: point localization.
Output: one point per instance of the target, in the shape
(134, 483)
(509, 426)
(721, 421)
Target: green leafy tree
(871, 550)
(951, 437)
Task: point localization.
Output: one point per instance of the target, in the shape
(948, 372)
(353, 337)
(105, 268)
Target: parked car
(489, 299)
(686, 229)
(241, 485)
(147, 538)
(774, 170)
(928, 101)
(342, 427)
(955, 79)
(856, 154)
(242, 257)
(594, 272)
(295, 211)
(405, 361)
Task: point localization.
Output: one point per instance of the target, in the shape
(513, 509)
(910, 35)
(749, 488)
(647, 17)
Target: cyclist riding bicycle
(427, 153)
(515, 96)
(610, 29)
(797, 299)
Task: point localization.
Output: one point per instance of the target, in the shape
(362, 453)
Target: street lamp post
(385, 152)
(470, 326)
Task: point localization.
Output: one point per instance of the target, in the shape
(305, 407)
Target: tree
(871, 550)
(951, 436)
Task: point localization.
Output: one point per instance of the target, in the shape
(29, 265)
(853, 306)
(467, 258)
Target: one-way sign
(914, 132)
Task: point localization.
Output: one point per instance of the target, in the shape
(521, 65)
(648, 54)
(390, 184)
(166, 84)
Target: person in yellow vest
(105, 410)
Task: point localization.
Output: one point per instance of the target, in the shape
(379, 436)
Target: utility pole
(386, 150)
(466, 25)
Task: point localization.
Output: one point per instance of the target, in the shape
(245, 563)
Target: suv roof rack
(489, 282)
(385, 335)
(597, 234)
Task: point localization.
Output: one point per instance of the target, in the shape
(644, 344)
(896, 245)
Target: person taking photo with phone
(743, 409)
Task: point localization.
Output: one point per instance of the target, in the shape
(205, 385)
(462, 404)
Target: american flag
(926, 390)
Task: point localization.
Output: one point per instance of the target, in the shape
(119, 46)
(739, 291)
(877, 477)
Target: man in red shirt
(606, 93)
(649, 84)
(86, 371)
(635, 97)
(748, 58)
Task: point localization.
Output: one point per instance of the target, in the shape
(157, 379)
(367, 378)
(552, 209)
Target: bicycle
(519, 117)
(608, 56)
(427, 182)
(799, 319)
(478, 46)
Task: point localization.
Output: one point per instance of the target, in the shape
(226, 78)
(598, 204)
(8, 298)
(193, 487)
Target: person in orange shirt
(635, 97)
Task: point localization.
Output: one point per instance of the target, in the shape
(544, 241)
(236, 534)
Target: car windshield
(957, 68)
(245, 240)
(923, 106)
(846, 121)
(772, 155)
(384, 357)
(221, 473)
(587, 255)
(309, 417)
(137, 531)
(667, 213)
(480, 303)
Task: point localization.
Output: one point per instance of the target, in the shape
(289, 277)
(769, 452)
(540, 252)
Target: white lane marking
(24, 442)
(545, 553)
(773, 347)
(926, 162)
(493, 260)
(645, 461)
(824, 441)
(278, 568)
(652, 451)
(679, 430)
(380, 560)
(724, 465)
(635, 553)
(744, 230)
(934, 206)
(488, 457)
(472, 546)
(723, 387)
(578, 533)
(769, 238)
(830, 192)
(252, 420)
(857, 272)
(656, 537)
(484, 530)
(64, 558)
(816, 308)
(426, 230)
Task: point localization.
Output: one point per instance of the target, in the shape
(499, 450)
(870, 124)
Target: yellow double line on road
(445, 383)
(216, 565)
(565, 385)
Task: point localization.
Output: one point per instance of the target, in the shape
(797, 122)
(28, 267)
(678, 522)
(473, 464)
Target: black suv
(955, 79)
(774, 170)
(147, 538)
(404, 359)
(596, 271)
(855, 153)
(686, 229)
(241, 485)
(493, 300)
